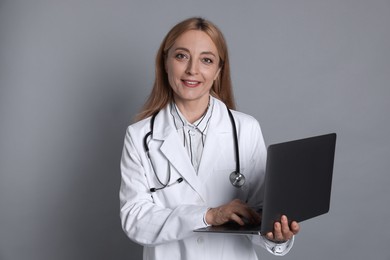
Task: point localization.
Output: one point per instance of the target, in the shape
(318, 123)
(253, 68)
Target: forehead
(195, 40)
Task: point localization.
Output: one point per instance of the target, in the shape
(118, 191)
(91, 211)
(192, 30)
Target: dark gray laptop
(298, 183)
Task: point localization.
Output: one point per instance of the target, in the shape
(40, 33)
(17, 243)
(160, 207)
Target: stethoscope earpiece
(237, 179)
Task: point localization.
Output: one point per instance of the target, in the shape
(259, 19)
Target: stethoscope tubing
(235, 137)
(237, 179)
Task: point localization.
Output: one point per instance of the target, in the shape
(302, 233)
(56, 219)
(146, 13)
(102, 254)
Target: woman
(178, 157)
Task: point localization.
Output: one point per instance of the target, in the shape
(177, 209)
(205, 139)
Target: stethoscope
(236, 178)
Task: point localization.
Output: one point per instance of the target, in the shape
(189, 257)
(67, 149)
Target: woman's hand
(282, 231)
(236, 211)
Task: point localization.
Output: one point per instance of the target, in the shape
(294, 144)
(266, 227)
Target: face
(192, 65)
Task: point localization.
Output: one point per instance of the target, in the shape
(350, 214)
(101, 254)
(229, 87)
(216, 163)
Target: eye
(207, 61)
(180, 56)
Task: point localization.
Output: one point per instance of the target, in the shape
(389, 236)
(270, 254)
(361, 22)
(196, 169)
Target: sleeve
(279, 249)
(142, 219)
(257, 175)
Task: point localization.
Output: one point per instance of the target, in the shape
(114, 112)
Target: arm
(278, 242)
(144, 220)
(281, 240)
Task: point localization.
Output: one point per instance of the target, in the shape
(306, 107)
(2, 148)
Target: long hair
(162, 93)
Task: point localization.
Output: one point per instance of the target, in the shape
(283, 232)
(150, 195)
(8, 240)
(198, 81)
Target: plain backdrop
(74, 73)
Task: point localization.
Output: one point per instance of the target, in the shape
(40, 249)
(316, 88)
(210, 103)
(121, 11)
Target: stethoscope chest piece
(237, 179)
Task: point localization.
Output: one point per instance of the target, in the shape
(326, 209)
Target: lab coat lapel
(175, 152)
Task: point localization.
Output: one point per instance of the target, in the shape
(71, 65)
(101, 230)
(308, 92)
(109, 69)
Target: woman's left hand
(282, 231)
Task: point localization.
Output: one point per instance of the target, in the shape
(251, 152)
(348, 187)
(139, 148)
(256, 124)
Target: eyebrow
(187, 50)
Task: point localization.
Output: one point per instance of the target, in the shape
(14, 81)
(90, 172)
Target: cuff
(279, 249)
(204, 218)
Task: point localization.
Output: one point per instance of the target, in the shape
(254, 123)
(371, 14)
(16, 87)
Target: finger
(286, 232)
(255, 217)
(249, 214)
(295, 227)
(237, 202)
(242, 209)
(270, 236)
(237, 219)
(278, 236)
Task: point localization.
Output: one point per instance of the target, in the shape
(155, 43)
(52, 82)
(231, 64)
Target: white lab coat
(164, 221)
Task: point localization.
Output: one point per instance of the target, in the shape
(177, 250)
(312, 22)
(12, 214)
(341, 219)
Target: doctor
(177, 159)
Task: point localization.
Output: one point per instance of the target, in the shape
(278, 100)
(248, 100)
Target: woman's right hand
(236, 211)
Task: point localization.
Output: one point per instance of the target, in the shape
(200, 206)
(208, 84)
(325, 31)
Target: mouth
(191, 83)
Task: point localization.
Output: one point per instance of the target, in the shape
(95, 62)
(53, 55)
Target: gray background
(74, 73)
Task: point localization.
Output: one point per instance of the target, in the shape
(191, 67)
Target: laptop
(298, 184)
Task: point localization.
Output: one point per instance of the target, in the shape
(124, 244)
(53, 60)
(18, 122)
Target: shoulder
(141, 124)
(247, 124)
(242, 120)
(138, 130)
(160, 122)
(237, 115)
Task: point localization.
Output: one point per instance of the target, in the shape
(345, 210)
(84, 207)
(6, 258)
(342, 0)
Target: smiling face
(192, 65)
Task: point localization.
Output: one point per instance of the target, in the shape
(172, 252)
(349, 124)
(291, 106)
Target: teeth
(191, 82)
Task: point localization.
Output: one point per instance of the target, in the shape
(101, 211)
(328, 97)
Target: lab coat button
(200, 240)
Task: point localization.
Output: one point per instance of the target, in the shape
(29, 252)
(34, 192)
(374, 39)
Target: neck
(192, 110)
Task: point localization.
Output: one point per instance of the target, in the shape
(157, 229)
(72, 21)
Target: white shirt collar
(201, 124)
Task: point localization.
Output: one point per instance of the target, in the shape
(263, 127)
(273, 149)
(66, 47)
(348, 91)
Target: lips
(191, 83)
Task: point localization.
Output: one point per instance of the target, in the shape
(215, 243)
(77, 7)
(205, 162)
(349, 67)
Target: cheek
(170, 74)
(173, 71)
(211, 75)
(217, 74)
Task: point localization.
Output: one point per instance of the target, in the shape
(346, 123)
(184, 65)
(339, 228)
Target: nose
(192, 67)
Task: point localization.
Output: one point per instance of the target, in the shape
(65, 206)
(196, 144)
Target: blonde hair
(162, 93)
